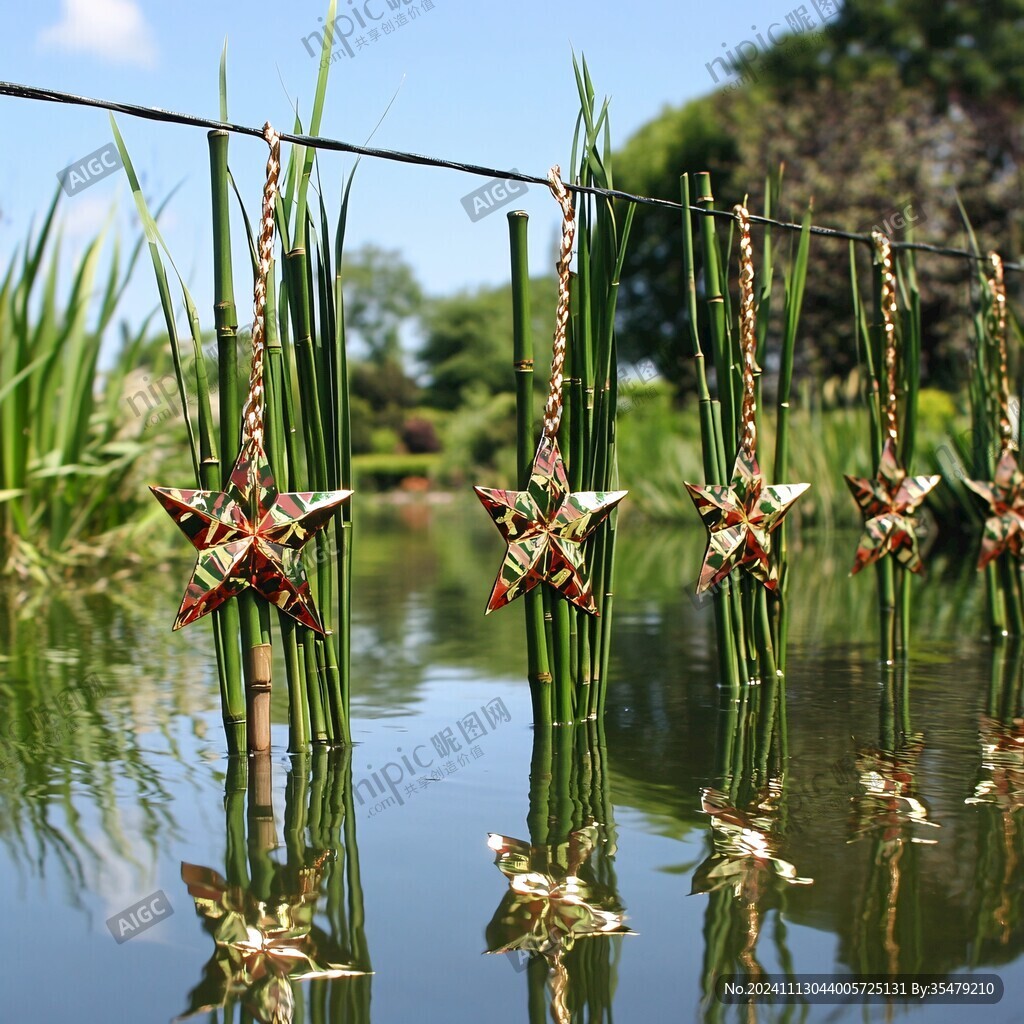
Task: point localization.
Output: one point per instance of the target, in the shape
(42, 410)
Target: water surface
(889, 818)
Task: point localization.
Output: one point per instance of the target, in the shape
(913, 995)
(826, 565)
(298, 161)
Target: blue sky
(484, 83)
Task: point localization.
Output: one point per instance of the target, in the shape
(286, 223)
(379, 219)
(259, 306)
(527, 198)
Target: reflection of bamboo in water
(562, 885)
(889, 812)
(744, 874)
(999, 799)
(263, 914)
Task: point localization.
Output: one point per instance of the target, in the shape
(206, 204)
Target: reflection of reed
(263, 913)
(562, 885)
(77, 709)
(889, 814)
(744, 874)
(999, 798)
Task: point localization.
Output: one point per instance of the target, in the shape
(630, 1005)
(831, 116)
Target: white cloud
(114, 30)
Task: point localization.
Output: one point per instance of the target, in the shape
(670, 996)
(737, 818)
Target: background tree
(382, 301)
(381, 296)
(467, 343)
(895, 101)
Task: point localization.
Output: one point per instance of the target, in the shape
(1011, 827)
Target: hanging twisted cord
(748, 334)
(883, 249)
(553, 406)
(252, 411)
(997, 325)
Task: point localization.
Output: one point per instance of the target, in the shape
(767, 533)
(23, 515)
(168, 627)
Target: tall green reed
(66, 462)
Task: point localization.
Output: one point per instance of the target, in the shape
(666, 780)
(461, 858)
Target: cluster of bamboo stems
(894, 587)
(568, 650)
(307, 432)
(989, 390)
(751, 626)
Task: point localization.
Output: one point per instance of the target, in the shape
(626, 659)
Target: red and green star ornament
(740, 518)
(888, 504)
(1004, 528)
(545, 527)
(249, 535)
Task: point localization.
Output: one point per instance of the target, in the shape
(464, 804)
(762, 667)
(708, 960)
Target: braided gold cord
(998, 328)
(883, 248)
(748, 334)
(252, 411)
(553, 406)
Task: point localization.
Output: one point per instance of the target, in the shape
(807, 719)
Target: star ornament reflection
(888, 504)
(249, 535)
(740, 518)
(549, 905)
(263, 945)
(745, 856)
(1004, 528)
(545, 528)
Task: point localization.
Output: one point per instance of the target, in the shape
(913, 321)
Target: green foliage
(384, 440)
(659, 448)
(67, 459)
(468, 340)
(900, 102)
(384, 471)
(961, 50)
(480, 437)
(381, 295)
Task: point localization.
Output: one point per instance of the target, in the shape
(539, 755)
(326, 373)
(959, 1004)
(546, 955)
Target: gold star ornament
(1004, 527)
(889, 504)
(249, 535)
(545, 528)
(740, 518)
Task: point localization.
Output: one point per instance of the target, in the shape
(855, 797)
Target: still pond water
(883, 834)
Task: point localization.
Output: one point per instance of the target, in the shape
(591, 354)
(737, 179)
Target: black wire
(30, 92)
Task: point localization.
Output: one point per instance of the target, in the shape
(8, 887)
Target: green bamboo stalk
(277, 455)
(224, 311)
(204, 455)
(330, 407)
(794, 282)
(601, 246)
(725, 409)
(226, 321)
(727, 665)
(322, 696)
(570, 436)
(326, 693)
(318, 724)
(522, 365)
(765, 277)
(561, 658)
